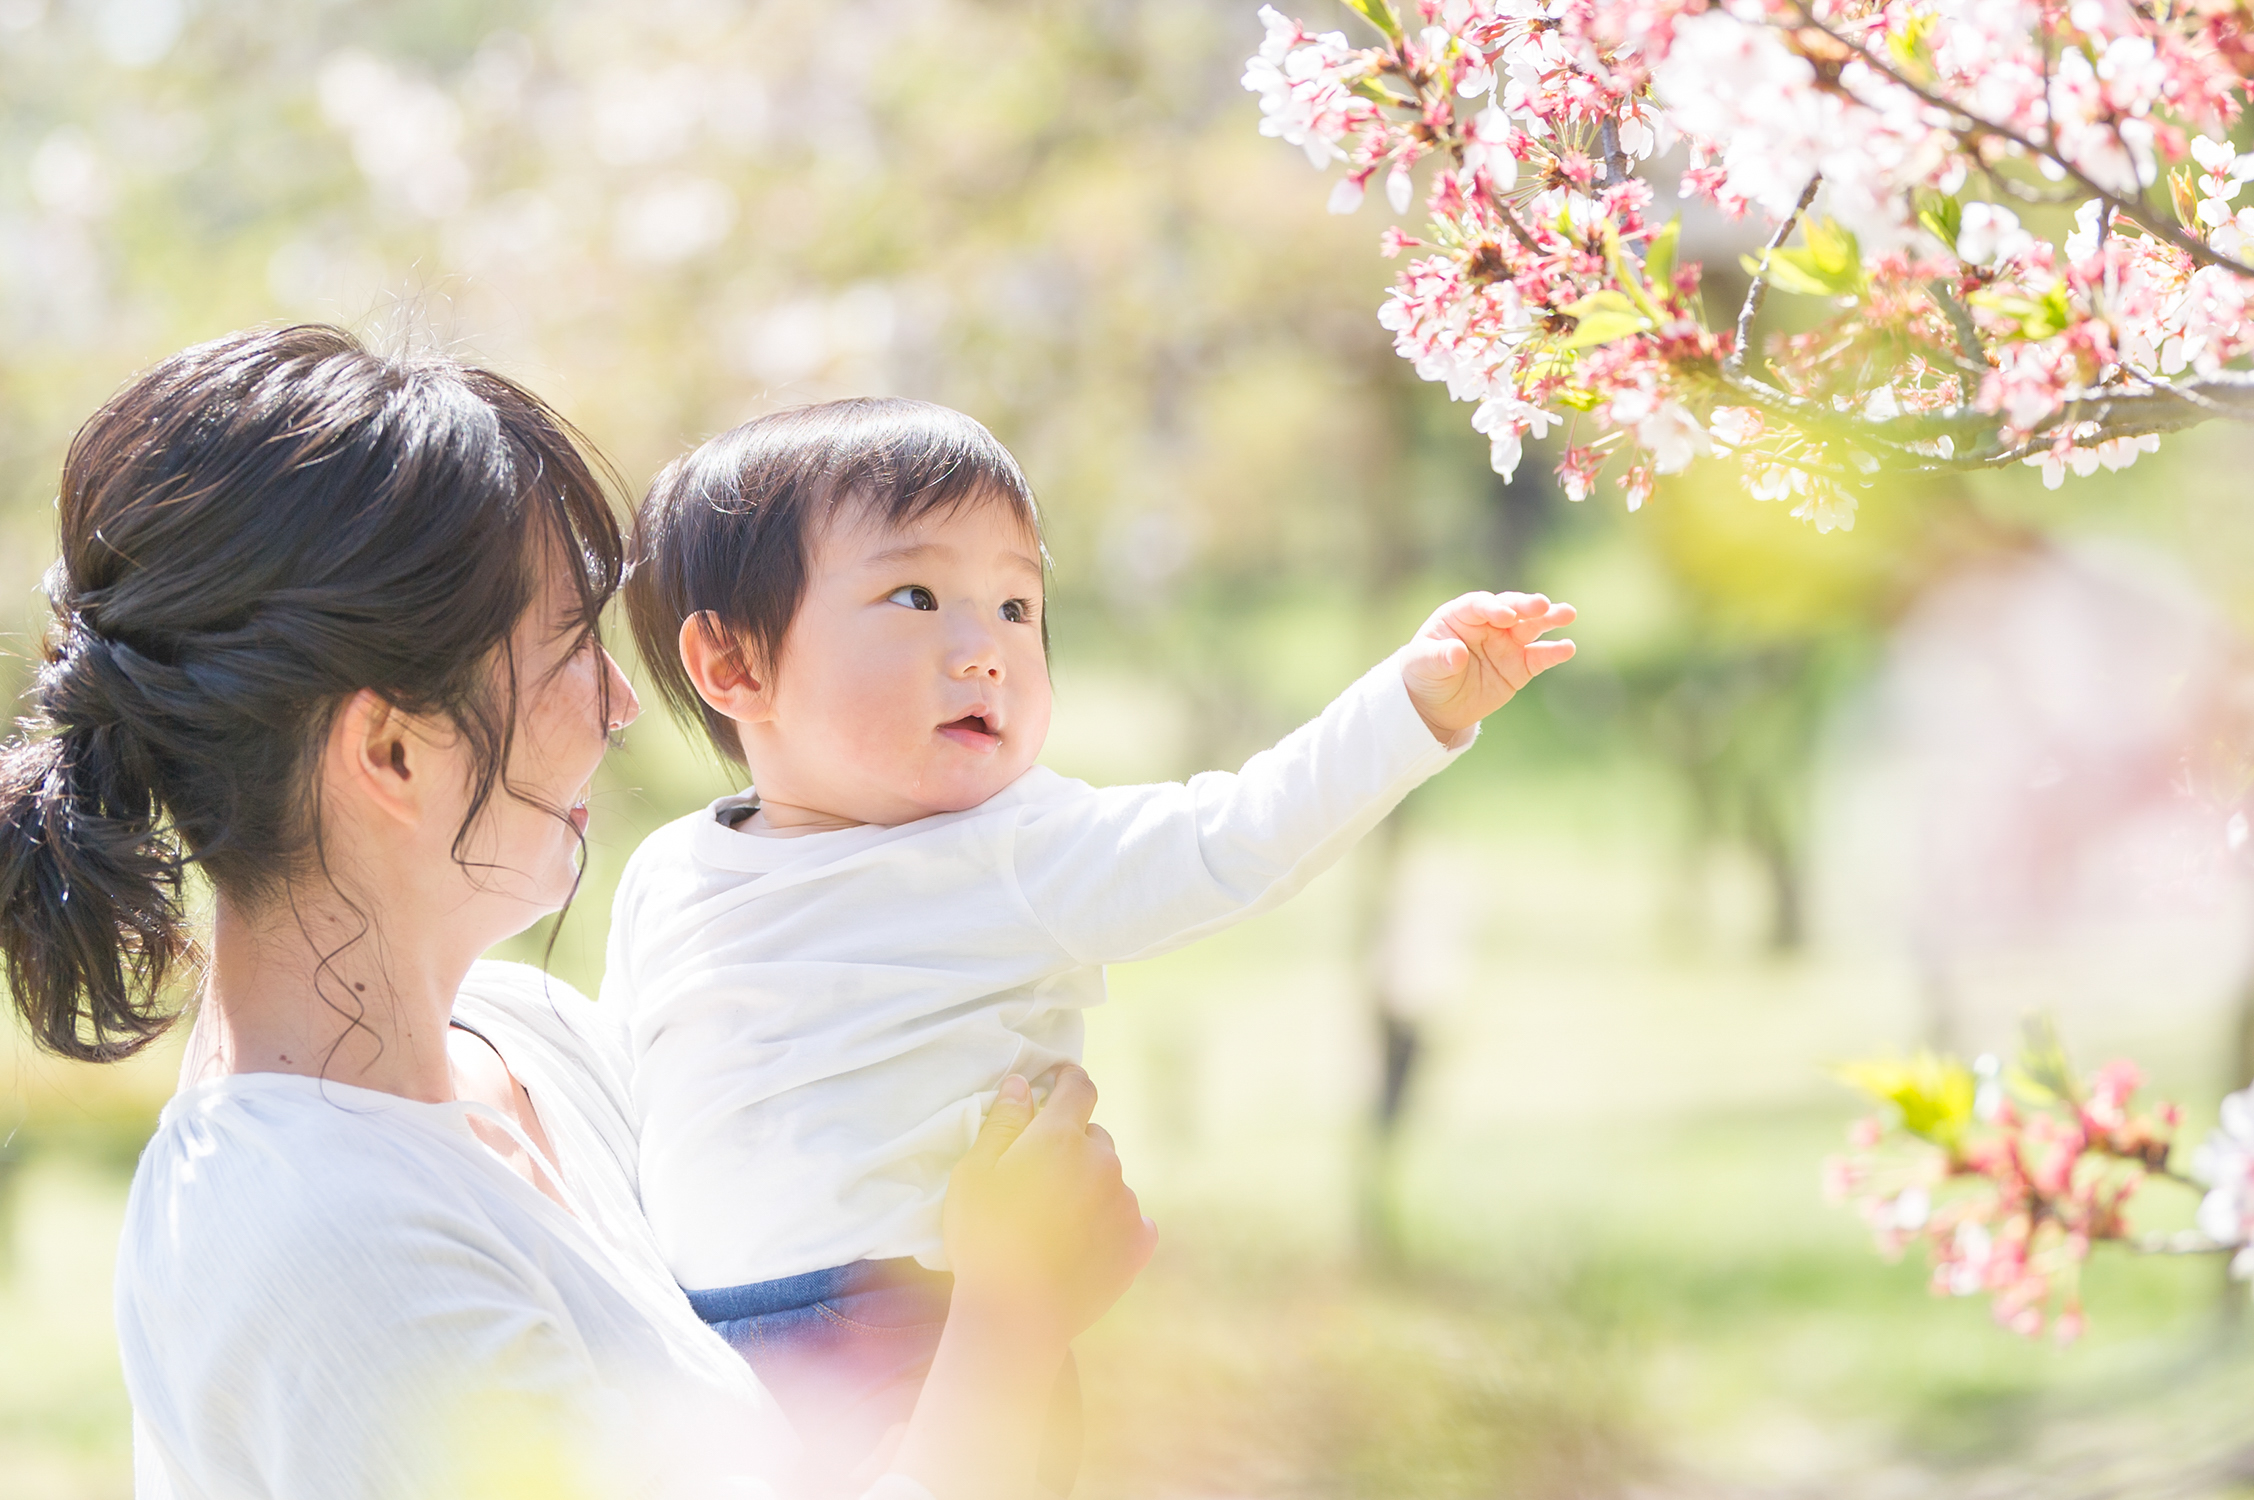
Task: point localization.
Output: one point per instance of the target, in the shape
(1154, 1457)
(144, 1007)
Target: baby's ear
(719, 668)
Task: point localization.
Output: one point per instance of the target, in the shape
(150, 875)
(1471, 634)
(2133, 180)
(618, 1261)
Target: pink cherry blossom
(2009, 1185)
(1880, 143)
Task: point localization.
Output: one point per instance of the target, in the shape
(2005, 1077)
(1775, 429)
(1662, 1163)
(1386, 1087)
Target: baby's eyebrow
(910, 551)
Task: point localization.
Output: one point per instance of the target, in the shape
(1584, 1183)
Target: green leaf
(1659, 257)
(1934, 1094)
(1911, 46)
(1631, 281)
(2038, 317)
(1788, 272)
(2044, 1073)
(1832, 244)
(1601, 317)
(1828, 264)
(1942, 215)
(1378, 13)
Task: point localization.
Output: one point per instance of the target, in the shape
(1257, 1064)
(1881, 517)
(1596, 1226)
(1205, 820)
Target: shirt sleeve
(1128, 872)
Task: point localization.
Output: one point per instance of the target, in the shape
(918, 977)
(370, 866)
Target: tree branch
(1976, 360)
(1615, 160)
(1758, 292)
(1973, 435)
(2193, 246)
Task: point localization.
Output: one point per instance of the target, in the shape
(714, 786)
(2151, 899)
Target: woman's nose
(625, 704)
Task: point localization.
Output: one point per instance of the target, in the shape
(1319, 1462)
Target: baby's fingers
(1522, 606)
(1531, 627)
(1543, 655)
(1470, 614)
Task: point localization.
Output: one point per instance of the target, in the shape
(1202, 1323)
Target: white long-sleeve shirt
(328, 1293)
(818, 1023)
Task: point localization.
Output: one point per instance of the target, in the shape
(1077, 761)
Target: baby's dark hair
(727, 531)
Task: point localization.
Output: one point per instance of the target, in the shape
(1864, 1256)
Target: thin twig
(1976, 360)
(2205, 403)
(2024, 193)
(1759, 290)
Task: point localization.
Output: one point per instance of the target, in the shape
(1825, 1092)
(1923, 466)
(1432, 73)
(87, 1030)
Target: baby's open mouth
(973, 730)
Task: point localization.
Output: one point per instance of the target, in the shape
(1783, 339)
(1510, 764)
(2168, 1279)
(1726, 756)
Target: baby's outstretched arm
(1127, 872)
(1476, 652)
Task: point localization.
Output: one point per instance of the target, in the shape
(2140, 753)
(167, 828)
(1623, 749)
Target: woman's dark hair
(727, 531)
(251, 532)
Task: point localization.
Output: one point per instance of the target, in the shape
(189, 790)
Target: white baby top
(327, 1293)
(818, 1023)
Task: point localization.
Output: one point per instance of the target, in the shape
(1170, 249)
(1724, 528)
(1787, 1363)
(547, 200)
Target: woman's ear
(374, 754)
(716, 666)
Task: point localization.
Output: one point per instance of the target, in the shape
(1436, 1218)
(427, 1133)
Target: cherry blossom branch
(1615, 160)
(1758, 291)
(1547, 291)
(1975, 360)
(1975, 126)
(2098, 417)
(2011, 1179)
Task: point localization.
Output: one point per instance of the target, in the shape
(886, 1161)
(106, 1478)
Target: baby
(828, 975)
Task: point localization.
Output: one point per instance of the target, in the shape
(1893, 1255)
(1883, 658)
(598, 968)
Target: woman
(325, 631)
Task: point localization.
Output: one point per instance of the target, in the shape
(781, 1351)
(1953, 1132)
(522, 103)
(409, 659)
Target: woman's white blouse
(324, 1291)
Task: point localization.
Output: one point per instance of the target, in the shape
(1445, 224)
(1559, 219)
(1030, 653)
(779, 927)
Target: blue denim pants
(845, 1352)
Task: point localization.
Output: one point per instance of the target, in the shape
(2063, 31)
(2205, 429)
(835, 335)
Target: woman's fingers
(1012, 1111)
(1072, 1102)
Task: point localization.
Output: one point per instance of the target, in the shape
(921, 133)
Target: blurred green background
(1489, 1166)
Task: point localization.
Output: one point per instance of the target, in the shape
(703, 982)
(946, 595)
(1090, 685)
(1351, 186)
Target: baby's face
(913, 679)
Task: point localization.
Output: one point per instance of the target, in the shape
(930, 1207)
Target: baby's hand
(1476, 652)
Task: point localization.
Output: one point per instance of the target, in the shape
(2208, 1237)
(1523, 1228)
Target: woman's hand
(1041, 1229)
(1043, 1236)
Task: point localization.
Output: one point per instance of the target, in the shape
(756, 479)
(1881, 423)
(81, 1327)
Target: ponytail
(90, 918)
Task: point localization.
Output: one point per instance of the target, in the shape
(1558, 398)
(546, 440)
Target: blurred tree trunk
(1396, 1038)
(1388, 559)
(1767, 830)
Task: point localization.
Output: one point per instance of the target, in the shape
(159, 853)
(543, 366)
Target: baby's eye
(1017, 611)
(913, 596)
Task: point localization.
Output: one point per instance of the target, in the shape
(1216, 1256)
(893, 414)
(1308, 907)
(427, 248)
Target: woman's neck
(310, 987)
